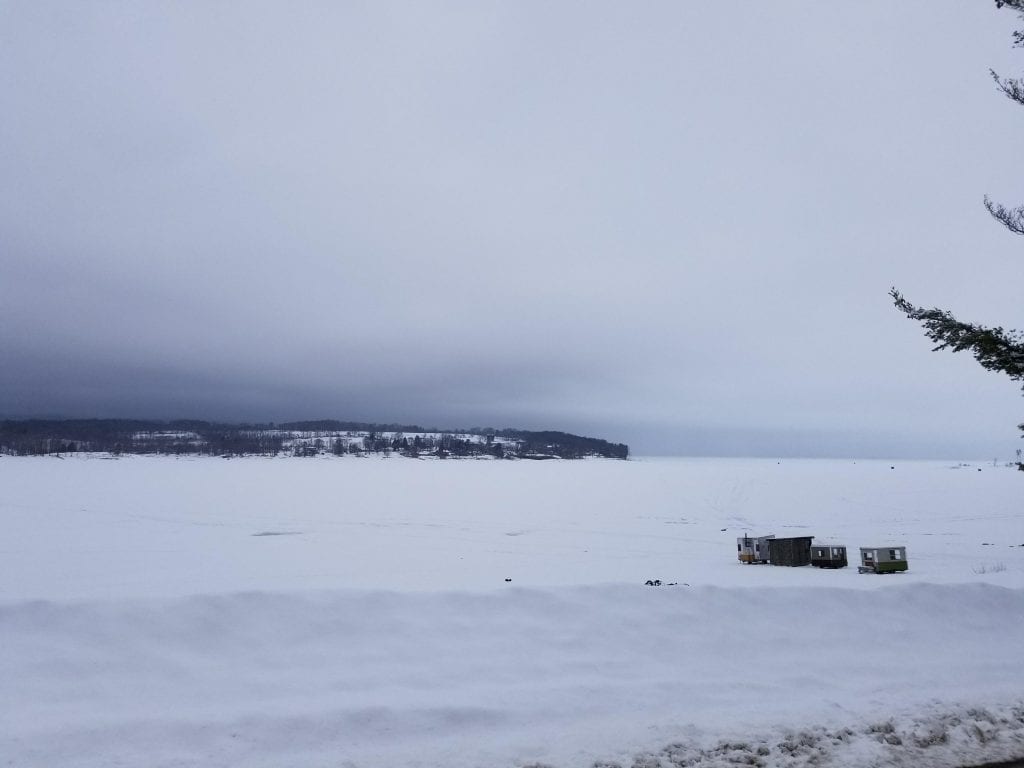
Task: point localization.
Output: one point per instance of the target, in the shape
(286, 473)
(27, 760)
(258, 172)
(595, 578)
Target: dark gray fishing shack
(793, 551)
(829, 556)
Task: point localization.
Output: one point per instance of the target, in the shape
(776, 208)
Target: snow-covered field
(370, 612)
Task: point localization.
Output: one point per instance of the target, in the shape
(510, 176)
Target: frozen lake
(146, 526)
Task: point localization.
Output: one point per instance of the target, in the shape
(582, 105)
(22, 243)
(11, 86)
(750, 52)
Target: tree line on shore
(34, 437)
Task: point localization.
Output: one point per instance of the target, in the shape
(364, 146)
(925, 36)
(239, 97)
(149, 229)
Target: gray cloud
(673, 224)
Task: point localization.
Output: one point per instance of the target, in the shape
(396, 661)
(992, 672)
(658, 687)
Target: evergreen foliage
(995, 349)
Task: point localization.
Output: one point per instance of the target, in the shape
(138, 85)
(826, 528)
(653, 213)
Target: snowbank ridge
(601, 675)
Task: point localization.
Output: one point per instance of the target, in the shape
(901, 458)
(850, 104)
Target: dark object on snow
(829, 556)
(883, 560)
(653, 582)
(508, 579)
(795, 551)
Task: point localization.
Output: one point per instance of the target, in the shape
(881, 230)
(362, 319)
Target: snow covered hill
(284, 612)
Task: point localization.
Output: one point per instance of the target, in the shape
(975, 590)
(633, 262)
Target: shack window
(835, 553)
(869, 555)
(893, 554)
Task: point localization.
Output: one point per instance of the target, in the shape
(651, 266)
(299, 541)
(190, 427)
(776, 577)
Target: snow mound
(942, 738)
(569, 677)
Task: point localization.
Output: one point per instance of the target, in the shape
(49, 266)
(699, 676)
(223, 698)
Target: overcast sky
(664, 223)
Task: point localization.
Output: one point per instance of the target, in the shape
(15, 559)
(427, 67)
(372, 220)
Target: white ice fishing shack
(890, 559)
(753, 549)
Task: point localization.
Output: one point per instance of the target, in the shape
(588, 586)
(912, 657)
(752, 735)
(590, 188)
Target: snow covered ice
(355, 612)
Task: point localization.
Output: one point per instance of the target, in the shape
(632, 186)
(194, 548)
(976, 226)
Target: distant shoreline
(34, 437)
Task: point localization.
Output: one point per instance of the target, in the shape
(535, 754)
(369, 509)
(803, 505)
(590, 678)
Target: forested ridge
(296, 438)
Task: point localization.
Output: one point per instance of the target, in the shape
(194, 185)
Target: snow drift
(564, 677)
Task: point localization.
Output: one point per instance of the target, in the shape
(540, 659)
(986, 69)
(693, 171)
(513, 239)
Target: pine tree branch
(1010, 86)
(1017, 5)
(995, 349)
(1011, 218)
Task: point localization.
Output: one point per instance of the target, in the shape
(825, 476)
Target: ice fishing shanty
(753, 549)
(773, 550)
(828, 556)
(882, 560)
(792, 551)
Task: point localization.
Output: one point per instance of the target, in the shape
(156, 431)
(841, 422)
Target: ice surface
(149, 616)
